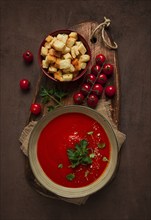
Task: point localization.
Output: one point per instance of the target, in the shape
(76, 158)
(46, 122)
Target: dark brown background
(23, 26)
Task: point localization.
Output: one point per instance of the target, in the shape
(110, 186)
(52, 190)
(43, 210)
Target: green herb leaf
(101, 145)
(46, 94)
(105, 159)
(83, 143)
(86, 160)
(70, 176)
(71, 154)
(73, 157)
(50, 108)
(52, 94)
(80, 154)
(86, 173)
(92, 155)
(60, 166)
(45, 99)
(60, 94)
(90, 132)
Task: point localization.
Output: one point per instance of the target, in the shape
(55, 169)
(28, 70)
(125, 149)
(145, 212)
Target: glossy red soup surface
(61, 134)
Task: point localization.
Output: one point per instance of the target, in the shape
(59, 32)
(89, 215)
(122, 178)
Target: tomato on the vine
(85, 89)
(91, 79)
(95, 69)
(92, 100)
(100, 59)
(97, 89)
(102, 79)
(108, 69)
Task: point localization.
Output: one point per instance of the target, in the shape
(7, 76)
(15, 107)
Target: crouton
(51, 52)
(83, 65)
(47, 45)
(70, 42)
(65, 64)
(44, 51)
(74, 35)
(62, 37)
(84, 58)
(57, 63)
(74, 51)
(58, 45)
(53, 40)
(45, 64)
(78, 43)
(71, 69)
(58, 75)
(52, 69)
(74, 62)
(49, 38)
(66, 50)
(55, 53)
(67, 56)
(51, 59)
(67, 77)
(82, 48)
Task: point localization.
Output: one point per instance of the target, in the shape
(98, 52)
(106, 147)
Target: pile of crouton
(64, 56)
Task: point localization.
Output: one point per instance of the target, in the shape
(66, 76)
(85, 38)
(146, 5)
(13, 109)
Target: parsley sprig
(70, 176)
(52, 94)
(80, 154)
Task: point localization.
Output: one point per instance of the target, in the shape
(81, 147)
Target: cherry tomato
(78, 98)
(24, 84)
(91, 79)
(97, 89)
(28, 56)
(110, 91)
(108, 69)
(85, 89)
(102, 79)
(100, 59)
(95, 69)
(35, 108)
(92, 101)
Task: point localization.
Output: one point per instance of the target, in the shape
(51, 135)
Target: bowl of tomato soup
(73, 151)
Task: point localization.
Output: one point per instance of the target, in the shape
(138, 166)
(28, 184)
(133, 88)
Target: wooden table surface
(23, 26)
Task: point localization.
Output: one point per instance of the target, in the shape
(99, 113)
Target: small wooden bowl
(68, 192)
(82, 72)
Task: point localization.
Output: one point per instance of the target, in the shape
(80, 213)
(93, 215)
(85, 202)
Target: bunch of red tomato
(94, 85)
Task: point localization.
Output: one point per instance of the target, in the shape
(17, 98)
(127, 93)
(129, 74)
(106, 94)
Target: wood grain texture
(85, 29)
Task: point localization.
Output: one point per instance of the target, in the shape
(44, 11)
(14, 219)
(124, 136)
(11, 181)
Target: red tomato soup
(66, 134)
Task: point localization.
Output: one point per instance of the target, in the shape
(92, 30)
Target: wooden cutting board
(85, 29)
